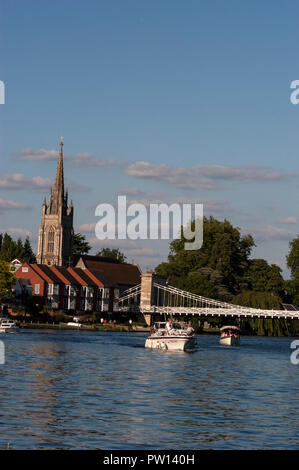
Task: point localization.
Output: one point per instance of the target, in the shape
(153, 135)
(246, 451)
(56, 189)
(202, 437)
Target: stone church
(55, 238)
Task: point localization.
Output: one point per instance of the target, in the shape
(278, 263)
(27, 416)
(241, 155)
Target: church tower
(55, 238)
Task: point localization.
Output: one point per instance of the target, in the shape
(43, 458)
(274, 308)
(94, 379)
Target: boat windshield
(178, 326)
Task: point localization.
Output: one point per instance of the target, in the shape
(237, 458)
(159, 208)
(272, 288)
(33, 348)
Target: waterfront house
(70, 289)
(122, 275)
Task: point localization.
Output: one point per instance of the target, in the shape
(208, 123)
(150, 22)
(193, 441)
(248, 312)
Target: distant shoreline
(64, 326)
(116, 329)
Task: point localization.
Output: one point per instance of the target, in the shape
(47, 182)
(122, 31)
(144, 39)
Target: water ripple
(87, 390)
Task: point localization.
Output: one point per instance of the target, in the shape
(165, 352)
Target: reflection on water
(87, 390)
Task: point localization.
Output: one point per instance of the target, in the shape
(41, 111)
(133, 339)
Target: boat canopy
(229, 327)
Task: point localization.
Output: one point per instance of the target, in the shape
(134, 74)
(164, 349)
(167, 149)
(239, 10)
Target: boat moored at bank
(7, 325)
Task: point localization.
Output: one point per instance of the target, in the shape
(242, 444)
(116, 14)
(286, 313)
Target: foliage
(6, 279)
(263, 300)
(218, 269)
(293, 256)
(114, 253)
(263, 277)
(292, 285)
(80, 245)
(268, 327)
(9, 249)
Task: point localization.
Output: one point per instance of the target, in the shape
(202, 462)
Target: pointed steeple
(58, 193)
(55, 237)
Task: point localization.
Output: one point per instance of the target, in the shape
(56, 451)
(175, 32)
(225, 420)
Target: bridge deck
(173, 301)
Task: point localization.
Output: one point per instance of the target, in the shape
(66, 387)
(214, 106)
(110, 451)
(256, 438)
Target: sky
(165, 101)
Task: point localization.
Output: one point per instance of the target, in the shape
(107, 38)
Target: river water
(93, 390)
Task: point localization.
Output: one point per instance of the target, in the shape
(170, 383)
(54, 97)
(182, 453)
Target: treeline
(10, 249)
(222, 269)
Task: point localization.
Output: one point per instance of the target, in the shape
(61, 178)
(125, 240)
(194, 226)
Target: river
(99, 390)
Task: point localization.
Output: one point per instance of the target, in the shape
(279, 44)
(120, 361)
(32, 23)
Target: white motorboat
(179, 337)
(7, 325)
(230, 335)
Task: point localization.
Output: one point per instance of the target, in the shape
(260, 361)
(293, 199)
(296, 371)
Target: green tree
(6, 279)
(218, 269)
(19, 249)
(114, 253)
(80, 245)
(28, 254)
(293, 256)
(292, 285)
(8, 248)
(263, 277)
(263, 300)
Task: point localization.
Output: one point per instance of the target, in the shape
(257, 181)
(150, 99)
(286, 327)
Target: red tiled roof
(71, 280)
(83, 275)
(116, 272)
(47, 274)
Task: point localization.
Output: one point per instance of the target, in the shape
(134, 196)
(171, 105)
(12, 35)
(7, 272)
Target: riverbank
(96, 327)
(114, 328)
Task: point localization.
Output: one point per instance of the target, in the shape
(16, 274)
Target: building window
(36, 289)
(51, 235)
(100, 293)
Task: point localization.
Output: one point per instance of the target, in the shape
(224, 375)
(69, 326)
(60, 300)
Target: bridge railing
(170, 300)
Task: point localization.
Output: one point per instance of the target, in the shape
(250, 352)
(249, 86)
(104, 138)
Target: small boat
(7, 325)
(73, 323)
(179, 338)
(230, 335)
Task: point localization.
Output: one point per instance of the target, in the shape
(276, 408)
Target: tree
(263, 300)
(292, 286)
(11, 249)
(7, 248)
(114, 253)
(220, 265)
(293, 256)
(6, 279)
(28, 254)
(263, 277)
(80, 245)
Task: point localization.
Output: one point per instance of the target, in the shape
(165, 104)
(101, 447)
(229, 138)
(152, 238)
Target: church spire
(58, 194)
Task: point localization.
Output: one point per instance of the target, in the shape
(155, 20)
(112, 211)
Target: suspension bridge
(154, 296)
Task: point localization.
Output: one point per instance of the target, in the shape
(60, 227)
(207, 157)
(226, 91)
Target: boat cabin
(229, 330)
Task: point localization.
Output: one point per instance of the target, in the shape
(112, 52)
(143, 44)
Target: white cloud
(272, 233)
(6, 204)
(18, 232)
(17, 181)
(38, 155)
(289, 220)
(79, 160)
(202, 176)
(85, 228)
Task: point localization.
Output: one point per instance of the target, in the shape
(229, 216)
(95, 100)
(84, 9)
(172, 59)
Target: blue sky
(199, 91)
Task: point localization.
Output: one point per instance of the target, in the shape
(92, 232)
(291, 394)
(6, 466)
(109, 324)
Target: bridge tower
(146, 294)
